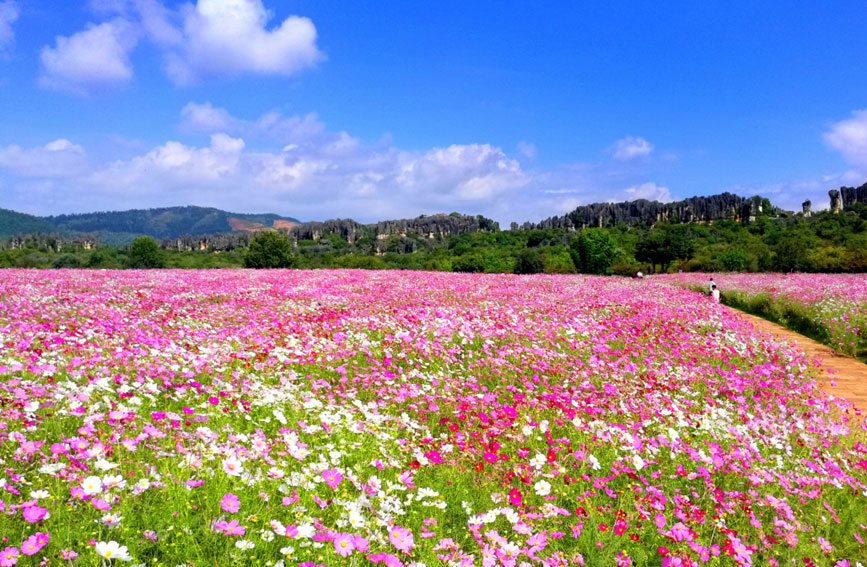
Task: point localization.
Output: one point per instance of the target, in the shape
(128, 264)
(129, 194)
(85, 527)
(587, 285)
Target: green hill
(122, 226)
(13, 222)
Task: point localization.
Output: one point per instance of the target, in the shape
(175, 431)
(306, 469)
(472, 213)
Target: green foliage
(270, 250)
(661, 246)
(593, 251)
(66, 261)
(144, 252)
(733, 261)
(529, 262)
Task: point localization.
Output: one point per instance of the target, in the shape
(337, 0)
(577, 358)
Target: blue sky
(379, 110)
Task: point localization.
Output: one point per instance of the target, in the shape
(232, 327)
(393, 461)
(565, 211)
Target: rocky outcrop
(836, 204)
(852, 195)
(50, 242)
(642, 211)
(807, 208)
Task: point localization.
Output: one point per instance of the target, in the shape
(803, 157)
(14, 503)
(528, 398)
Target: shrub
(270, 250)
(144, 252)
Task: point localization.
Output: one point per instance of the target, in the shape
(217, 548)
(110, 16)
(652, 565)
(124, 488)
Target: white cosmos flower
(233, 466)
(39, 494)
(110, 520)
(113, 481)
(91, 485)
(112, 550)
(244, 544)
(638, 462)
(104, 465)
(543, 488)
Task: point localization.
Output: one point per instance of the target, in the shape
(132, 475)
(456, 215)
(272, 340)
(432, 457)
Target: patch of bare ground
(839, 375)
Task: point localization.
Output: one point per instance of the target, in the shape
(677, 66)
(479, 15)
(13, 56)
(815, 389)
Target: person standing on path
(710, 285)
(714, 292)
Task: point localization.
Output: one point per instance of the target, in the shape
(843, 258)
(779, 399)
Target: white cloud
(8, 16)
(849, 137)
(210, 38)
(90, 60)
(300, 168)
(630, 148)
(527, 150)
(58, 159)
(230, 37)
(208, 119)
(650, 191)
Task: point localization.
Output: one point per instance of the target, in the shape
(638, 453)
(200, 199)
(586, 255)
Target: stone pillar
(807, 207)
(836, 205)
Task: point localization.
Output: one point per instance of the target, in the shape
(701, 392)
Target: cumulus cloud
(206, 39)
(90, 60)
(300, 168)
(650, 191)
(8, 16)
(630, 148)
(849, 137)
(58, 159)
(230, 37)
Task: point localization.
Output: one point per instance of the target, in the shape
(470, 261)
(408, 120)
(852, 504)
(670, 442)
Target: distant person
(710, 286)
(639, 275)
(714, 292)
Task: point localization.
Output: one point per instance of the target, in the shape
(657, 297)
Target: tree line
(823, 242)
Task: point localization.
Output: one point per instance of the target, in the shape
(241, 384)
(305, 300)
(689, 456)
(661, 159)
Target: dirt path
(850, 374)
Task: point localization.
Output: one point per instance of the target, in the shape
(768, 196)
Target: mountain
(12, 222)
(120, 226)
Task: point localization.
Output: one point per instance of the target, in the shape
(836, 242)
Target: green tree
(529, 261)
(144, 252)
(593, 251)
(661, 246)
(270, 250)
(733, 261)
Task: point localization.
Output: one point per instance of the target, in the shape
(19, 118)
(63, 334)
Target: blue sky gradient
(385, 110)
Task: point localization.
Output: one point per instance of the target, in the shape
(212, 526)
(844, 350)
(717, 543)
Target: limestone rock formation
(852, 195)
(642, 211)
(836, 205)
(807, 207)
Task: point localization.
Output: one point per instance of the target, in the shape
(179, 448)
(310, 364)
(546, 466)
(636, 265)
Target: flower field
(831, 308)
(397, 418)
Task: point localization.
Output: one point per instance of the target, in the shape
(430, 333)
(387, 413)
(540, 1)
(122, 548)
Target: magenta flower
(232, 528)
(332, 478)
(9, 557)
(230, 503)
(34, 543)
(33, 514)
(401, 538)
(680, 532)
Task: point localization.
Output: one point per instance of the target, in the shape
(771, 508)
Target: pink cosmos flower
(361, 544)
(230, 503)
(401, 538)
(291, 531)
(344, 545)
(9, 557)
(100, 504)
(659, 520)
(33, 514)
(34, 543)
(679, 532)
(230, 528)
(387, 558)
(68, 554)
(332, 478)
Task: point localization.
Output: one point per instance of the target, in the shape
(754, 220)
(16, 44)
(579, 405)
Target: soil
(849, 375)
